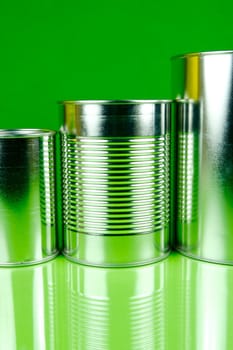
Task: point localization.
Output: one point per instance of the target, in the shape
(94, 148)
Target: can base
(117, 250)
(28, 263)
(134, 264)
(196, 257)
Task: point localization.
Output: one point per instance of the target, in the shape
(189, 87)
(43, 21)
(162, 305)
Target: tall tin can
(203, 88)
(27, 196)
(116, 181)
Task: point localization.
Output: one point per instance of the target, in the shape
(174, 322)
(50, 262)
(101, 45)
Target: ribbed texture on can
(187, 193)
(47, 181)
(90, 323)
(91, 327)
(114, 186)
(147, 325)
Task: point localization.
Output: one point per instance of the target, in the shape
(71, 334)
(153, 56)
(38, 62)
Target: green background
(51, 51)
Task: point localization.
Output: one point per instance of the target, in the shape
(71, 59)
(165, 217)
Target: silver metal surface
(27, 196)
(116, 181)
(203, 87)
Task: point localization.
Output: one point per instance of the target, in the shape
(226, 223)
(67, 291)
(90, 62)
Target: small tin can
(27, 196)
(116, 181)
(202, 85)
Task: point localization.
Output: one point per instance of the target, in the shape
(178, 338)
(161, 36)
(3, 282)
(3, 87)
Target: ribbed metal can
(203, 88)
(27, 196)
(116, 181)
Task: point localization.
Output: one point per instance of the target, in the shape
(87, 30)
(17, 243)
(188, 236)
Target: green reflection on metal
(28, 307)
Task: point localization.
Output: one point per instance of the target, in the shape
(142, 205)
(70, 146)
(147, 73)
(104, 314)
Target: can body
(202, 85)
(27, 196)
(116, 181)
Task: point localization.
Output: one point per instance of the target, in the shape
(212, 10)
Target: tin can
(202, 85)
(116, 181)
(27, 196)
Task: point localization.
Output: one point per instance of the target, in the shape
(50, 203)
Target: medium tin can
(203, 87)
(27, 196)
(116, 181)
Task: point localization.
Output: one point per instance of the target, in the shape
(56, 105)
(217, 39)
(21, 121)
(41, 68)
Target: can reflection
(115, 308)
(200, 305)
(28, 303)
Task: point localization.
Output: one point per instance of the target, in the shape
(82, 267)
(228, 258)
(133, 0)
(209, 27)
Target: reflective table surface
(178, 303)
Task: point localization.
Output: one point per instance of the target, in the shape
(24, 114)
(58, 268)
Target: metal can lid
(116, 118)
(25, 133)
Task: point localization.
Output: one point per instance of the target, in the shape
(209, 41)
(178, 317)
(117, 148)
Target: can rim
(203, 53)
(115, 102)
(184, 100)
(25, 133)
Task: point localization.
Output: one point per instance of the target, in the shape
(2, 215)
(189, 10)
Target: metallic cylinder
(116, 181)
(203, 85)
(27, 196)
